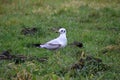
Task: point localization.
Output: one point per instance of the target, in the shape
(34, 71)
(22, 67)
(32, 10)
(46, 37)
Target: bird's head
(62, 30)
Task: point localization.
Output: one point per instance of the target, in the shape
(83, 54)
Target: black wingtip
(33, 45)
(36, 45)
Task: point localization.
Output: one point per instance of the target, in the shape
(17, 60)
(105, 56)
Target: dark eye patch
(62, 30)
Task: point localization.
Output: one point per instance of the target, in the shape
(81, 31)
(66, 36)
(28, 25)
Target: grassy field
(95, 23)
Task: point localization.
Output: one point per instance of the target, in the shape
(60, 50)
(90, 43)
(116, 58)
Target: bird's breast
(63, 42)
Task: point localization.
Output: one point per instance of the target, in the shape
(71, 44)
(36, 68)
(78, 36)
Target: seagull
(57, 43)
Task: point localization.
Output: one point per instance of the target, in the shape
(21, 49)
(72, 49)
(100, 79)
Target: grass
(95, 23)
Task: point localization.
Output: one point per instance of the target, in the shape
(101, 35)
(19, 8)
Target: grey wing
(51, 46)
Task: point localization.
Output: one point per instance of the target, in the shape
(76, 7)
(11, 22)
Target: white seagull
(56, 43)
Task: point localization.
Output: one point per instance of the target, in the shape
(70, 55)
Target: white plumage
(57, 43)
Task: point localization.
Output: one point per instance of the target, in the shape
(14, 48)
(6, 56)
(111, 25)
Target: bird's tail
(42, 46)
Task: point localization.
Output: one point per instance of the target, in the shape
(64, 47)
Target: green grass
(95, 23)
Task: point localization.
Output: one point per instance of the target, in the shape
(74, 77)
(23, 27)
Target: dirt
(110, 48)
(29, 31)
(77, 44)
(81, 63)
(7, 55)
(88, 65)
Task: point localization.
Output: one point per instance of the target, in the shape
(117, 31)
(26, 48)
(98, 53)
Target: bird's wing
(54, 41)
(53, 44)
